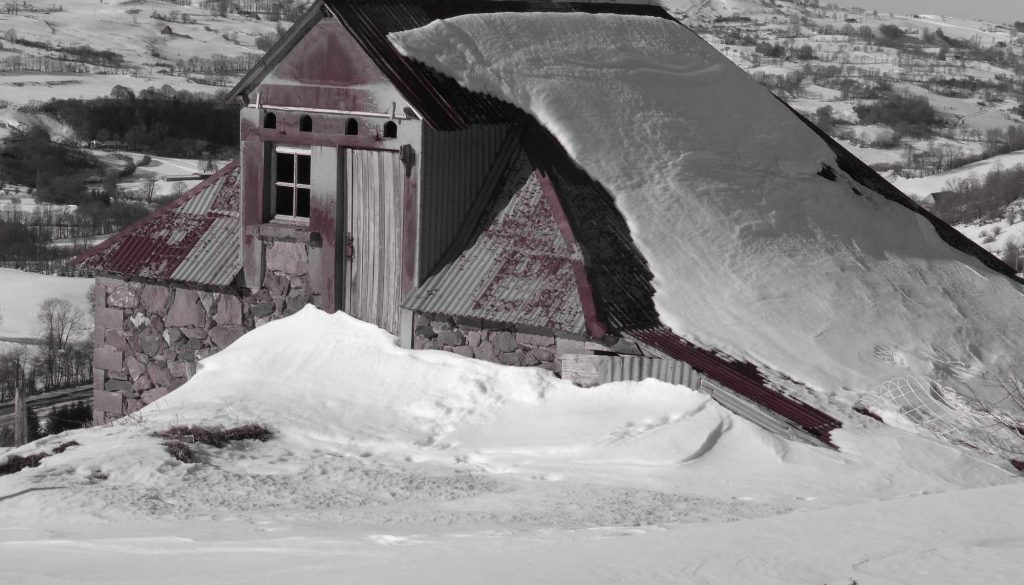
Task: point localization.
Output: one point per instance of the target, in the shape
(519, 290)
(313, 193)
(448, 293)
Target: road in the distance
(42, 403)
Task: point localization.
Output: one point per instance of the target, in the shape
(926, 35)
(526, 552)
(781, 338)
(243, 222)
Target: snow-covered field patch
(22, 292)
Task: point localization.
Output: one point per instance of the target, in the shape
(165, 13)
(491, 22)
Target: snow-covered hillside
(391, 465)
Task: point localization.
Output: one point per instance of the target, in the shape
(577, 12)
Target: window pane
(302, 200)
(304, 161)
(285, 167)
(283, 201)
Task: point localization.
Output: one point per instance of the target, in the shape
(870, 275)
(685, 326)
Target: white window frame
(296, 151)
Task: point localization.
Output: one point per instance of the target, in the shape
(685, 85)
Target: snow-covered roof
(768, 242)
(192, 240)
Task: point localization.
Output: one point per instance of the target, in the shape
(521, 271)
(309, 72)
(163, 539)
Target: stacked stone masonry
(490, 342)
(149, 337)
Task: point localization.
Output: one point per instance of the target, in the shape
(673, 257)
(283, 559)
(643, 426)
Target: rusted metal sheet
(192, 240)
(741, 378)
(372, 248)
(454, 169)
(518, 268)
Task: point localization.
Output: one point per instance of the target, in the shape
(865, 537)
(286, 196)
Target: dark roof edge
(316, 12)
(859, 171)
(160, 212)
(231, 289)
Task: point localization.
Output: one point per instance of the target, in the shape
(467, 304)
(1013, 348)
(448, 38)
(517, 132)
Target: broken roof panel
(192, 240)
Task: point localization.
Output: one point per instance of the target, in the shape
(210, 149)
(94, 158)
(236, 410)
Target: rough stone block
(158, 373)
(186, 310)
(514, 358)
(104, 401)
(117, 340)
(108, 359)
(205, 353)
(263, 320)
(178, 382)
(530, 360)
(277, 284)
(535, 340)
(442, 325)
(288, 257)
(425, 332)
(485, 351)
(142, 384)
(464, 350)
(140, 320)
(177, 369)
(154, 394)
(110, 319)
(570, 346)
(207, 300)
(224, 335)
(155, 299)
(504, 341)
(543, 354)
(473, 338)
(229, 310)
(263, 309)
(123, 297)
(195, 333)
(468, 324)
(135, 367)
(295, 301)
(122, 375)
(156, 323)
(172, 335)
(151, 343)
(422, 320)
(194, 344)
(451, 338)
(122, 386)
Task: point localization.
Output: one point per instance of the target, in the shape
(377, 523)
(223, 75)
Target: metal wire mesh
(926, 403)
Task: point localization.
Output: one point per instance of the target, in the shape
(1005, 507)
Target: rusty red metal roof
(742, 378)
(192, 240)
(518, 268)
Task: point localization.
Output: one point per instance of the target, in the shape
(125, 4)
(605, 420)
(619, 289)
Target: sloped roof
(192, 240)
(442, 102)
(518, 268)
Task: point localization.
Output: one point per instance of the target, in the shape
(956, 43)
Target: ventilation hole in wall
(390, 130)
(351, 127)
(270, 120)
(305, 124)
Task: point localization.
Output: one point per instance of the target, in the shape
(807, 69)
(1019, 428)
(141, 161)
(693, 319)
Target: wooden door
(373, 228)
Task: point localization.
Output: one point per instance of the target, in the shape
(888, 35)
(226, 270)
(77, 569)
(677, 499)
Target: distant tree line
(161, 121)
(981, 198)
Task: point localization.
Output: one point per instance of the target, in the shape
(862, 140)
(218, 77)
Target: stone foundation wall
(490, 342)
(149, 337)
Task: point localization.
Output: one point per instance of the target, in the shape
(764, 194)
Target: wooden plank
(373, 219)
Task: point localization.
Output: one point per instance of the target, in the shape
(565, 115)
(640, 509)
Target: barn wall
(492, 342)
(323, 238)
(455, 167)
(148, 337)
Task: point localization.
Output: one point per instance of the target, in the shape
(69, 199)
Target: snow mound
(758, 250)
(369, 434)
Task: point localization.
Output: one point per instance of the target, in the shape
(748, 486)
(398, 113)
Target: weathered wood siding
(373, 217)
(326, 220)
(455, 166)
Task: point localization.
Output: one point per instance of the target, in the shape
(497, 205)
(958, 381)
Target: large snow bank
(388, 463)
(754, 253)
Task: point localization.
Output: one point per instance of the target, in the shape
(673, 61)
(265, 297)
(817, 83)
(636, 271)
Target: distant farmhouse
(373, 185)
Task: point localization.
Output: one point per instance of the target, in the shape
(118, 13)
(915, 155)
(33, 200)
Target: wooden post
(20, 416)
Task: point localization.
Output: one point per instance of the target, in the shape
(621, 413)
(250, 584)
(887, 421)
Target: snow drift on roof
(760, 246)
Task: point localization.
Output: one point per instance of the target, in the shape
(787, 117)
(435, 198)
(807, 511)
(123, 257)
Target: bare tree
(59, 320)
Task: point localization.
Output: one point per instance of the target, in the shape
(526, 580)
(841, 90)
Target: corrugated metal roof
(192, 240)
(742, 378)
(517, 268)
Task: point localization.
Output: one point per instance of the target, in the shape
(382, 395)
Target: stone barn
(371, 184)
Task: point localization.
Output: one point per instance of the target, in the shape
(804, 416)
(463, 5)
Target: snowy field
(396, 466)
(22, 292)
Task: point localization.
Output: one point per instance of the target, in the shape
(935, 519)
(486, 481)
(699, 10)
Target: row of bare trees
(62, 361)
